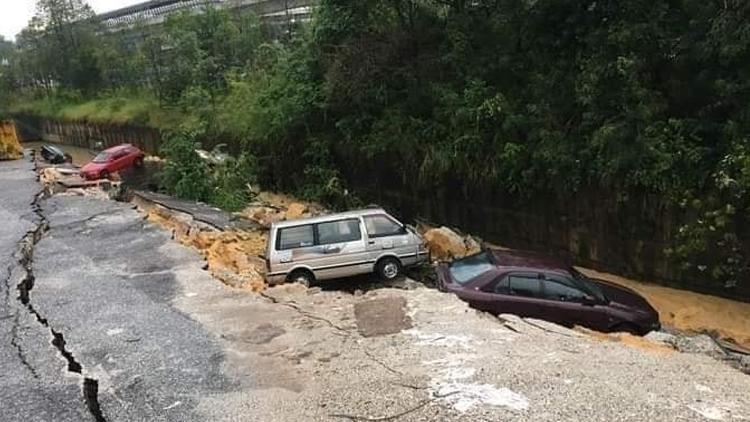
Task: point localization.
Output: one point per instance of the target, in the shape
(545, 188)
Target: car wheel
(138, 162)
(626, 327)
(303, 277)
(104, 174)
(389, 268)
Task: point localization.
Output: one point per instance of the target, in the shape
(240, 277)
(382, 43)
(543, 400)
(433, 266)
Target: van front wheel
(302, 277)
(389, 268)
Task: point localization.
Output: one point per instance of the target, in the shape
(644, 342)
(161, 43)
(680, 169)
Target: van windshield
(469, 268)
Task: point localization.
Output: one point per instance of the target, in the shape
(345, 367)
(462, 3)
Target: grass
(118, 108)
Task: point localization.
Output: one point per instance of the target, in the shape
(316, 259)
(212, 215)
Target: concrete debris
(700, 344)
(446, 245)
(660, 337)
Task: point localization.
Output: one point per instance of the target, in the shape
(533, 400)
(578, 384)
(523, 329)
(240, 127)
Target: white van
(341, 245)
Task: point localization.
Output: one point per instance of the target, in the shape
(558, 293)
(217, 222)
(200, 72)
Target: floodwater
(80, 155)
(690, 311)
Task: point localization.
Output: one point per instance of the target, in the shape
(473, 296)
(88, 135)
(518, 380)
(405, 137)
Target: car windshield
(103, 157)
(471, 267)
(587, 285)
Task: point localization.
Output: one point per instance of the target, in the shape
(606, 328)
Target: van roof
(329, 217)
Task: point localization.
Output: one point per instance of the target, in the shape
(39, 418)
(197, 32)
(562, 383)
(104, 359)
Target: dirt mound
(269, 208)
(445, 244)
(10, 147)
(629, 340)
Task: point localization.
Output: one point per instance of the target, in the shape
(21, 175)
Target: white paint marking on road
(115, 331)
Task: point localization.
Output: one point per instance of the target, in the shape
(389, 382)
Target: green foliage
(185, 174)
(524, 98)
(232, 181)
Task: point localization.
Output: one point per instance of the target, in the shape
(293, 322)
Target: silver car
(341, 245)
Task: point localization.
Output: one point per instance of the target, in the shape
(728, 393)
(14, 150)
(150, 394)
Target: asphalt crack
(90, 386)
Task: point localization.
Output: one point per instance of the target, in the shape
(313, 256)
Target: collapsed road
(106, 317)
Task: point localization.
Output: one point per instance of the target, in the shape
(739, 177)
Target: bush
(185, 174)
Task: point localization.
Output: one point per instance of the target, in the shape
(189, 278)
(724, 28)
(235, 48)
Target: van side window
(295, 237)
(380, 226)
(339, 231)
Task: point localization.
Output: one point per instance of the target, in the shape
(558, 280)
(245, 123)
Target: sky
(15, 14)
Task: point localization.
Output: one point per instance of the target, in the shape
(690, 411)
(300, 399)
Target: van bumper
(276, 278)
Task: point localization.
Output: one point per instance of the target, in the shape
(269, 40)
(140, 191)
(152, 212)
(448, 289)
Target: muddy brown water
(80, 155)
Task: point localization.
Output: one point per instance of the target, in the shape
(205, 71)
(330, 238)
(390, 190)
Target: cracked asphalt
(161, 340)
(34, 385)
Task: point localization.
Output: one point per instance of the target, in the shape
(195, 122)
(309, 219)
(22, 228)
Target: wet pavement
(34, 384)
(107, 318)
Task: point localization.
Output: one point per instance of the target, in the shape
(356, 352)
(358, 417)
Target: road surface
(106, 318)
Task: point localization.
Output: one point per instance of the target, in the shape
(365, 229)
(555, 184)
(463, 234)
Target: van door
(341, 249)
(386, 234)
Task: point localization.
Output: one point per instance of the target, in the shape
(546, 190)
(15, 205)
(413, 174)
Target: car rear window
(469, 268)
(295, 237)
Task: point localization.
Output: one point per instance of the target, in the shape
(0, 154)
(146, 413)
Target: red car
(531, 285)
(112, 160)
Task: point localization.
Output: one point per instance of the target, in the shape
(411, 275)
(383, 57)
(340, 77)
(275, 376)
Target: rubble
(296, 210)
(660, 337)
(445, 244)
(701, 344)
(234, 257)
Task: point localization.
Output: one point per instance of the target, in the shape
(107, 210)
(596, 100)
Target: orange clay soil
(629, 340)
(689, 311)
(232, 256)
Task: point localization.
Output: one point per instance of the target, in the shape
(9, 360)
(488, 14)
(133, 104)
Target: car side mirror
(404, 230)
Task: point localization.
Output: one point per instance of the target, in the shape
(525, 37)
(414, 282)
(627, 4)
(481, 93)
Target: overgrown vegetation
(524, 98)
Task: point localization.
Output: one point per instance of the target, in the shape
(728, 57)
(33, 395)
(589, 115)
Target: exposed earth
(107, 317)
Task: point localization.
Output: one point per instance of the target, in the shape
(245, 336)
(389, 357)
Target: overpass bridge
(156, 11)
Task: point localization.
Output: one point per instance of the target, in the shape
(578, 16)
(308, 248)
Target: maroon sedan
(533, 286)
(112, 160)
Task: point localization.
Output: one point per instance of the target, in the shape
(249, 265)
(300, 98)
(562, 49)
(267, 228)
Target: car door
(566, 304)
(511, 293)
(386, 234)
(521, 295)
(119, 160)
(340, 249)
